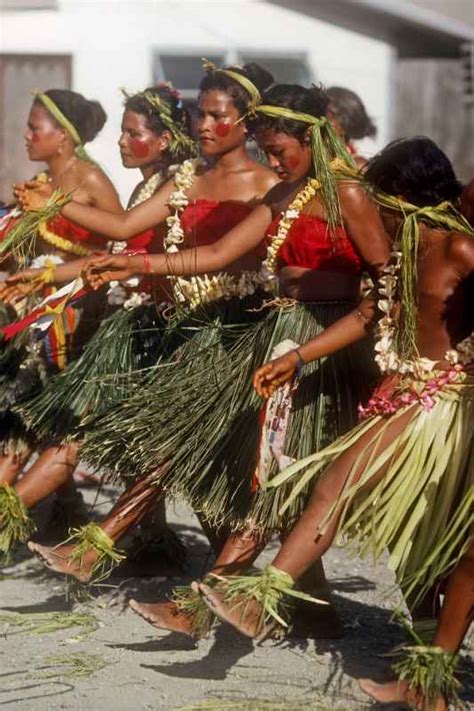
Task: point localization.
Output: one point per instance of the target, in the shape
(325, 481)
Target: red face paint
(292, 162)
(139, 148)
(35, 138)
(223, 129)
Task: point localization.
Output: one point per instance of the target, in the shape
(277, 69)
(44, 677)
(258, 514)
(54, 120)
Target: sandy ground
(119, 662)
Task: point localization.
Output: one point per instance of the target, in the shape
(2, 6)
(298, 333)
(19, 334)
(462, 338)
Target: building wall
(112, 43)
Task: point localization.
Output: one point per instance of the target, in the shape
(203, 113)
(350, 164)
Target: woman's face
(139, 145)
(286, 155)
(43, 136)
(217, 127)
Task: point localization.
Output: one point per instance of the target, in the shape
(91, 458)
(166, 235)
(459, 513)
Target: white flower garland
(291, 214)
(203, 289)
(386, 356)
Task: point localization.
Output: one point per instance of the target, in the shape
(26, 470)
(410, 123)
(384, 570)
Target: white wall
(112, 43)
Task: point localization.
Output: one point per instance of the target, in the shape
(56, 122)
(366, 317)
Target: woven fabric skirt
(197, 420)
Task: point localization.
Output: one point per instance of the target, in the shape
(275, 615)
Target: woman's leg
(455, 618)
(51, 470)
(304, 545)
(132, 505)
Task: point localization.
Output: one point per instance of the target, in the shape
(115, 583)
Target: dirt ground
(106, 657)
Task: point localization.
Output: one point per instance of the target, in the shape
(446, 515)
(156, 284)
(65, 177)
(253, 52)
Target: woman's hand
(33, 195)
(20, 285)
(272, 375)
(101, 270)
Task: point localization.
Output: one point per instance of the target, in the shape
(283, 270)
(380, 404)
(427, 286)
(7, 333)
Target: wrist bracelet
(300, 362)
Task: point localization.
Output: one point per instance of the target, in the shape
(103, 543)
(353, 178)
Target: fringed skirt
(124, 343)
(415, 496)
(28, 365)
(197, 421)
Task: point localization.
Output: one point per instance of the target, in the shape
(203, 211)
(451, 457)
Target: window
(185, 71)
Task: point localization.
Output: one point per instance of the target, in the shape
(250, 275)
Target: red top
(63, 227)
(206, 221)
(309, 244)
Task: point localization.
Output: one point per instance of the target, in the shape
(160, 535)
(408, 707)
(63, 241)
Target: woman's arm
(208, 258)
(28, 281)
(347, 330)
(116, 226)
(364, 227)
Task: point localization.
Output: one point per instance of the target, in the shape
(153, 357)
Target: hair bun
(87, 116)
(258, 75)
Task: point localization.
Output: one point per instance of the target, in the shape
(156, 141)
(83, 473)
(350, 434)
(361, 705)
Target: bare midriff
(318, 285)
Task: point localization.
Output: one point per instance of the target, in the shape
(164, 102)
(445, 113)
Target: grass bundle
(430, 673)
(20, 240)
(92, 537)
(15, 524)
(38, 623)
(272, 589)
(191, 603)
(71, 665)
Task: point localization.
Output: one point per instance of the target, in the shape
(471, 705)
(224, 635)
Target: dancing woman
(155, 136)
(203, 432)
(60, 122)
(238, 182)
(404, 477)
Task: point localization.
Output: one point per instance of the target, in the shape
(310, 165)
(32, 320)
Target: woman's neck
(232, 160)
(148, 170)
(60, 164)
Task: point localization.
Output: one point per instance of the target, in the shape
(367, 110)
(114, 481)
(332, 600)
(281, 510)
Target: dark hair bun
(258, 75)
(349, 110)
(415, 168)
(87, 116)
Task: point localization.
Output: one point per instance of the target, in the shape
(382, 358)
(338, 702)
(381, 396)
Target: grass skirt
(198, 418)
(421, 508)
(28, 366)
(125, 342)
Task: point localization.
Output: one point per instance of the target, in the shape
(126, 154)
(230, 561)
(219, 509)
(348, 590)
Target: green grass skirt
(421, 509)
(27, 371)
(198, 417)
(125, 342)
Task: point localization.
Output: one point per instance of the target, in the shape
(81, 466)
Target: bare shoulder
(265, 179)
(93, 177)
(461, 250)
(351, 192)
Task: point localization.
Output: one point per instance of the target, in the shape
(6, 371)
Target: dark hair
(218, 81)
(415, 169)
(312, 100)
(87, 117)
(180, 116)
(350, 112)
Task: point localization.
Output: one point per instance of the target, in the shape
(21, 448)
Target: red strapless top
(310, 245)
(206, 221)
(63, 227)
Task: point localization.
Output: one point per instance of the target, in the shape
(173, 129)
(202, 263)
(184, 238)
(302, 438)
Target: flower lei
(387, 357)
(62, 243)
(269, 265)
(201, 289)
(422, 379)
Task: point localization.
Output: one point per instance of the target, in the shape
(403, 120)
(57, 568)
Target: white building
(97, 46)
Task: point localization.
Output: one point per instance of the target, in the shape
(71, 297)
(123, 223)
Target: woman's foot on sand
(398, 692)
(166, 616)
(57, 558)
(245, 616)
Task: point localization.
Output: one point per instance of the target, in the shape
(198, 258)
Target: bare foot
(165, 616)
(57, 558)
(245, 616)
(398, 691)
